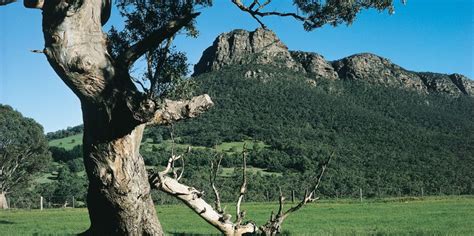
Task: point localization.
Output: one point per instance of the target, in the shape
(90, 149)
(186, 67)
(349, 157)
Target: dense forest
(386, 141)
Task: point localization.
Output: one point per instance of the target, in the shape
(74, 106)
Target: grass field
(67, 143)
(428, 216)
(70, 142)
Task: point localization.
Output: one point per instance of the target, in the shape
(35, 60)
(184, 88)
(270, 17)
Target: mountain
(263, 47)
(393, 131)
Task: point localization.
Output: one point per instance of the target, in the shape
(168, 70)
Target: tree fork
(114, 112)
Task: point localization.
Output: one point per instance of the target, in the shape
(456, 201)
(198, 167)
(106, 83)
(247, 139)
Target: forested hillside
(385, 140)
(391, 131)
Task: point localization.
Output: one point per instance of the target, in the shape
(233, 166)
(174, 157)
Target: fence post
(360, 194)
(41, 203)
(293, 196)
(73, 202)
(422, 193)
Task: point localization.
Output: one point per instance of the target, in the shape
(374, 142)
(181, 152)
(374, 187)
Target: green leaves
(23, 148)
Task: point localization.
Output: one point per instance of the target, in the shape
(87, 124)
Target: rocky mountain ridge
(241, 47)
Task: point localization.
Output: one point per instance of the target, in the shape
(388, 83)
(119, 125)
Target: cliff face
(240, 47)
(377, 70)
(315, 65)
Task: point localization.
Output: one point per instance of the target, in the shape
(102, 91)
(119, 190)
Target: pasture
(396, 216)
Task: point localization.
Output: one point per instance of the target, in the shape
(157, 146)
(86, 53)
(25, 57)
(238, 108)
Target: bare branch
(281, 199)
(135, 51)
(171, 160)
(6, 2)
(182, 165)
(273, 226)
(212, 179)
(177, 110)
(257, 13)
(243, 187)
(193, 199)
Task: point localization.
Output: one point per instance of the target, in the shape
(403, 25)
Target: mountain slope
(263, 47)
(385, 139)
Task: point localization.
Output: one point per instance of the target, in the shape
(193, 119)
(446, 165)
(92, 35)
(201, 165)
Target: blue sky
(424, 35)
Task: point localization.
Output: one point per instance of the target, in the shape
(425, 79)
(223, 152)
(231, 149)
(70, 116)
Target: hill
(392, 131)
(263, 47)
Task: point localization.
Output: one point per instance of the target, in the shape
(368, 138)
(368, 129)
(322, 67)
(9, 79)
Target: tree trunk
(119, 200)
(3, 201)
(114, 112)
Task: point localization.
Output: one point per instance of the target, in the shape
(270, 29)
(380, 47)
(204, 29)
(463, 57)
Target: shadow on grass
(6, 222)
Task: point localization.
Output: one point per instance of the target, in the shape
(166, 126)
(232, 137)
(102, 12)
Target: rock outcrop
(315, 65)
(241, 47)
(263, 47)
(378, 70)
(454, 84)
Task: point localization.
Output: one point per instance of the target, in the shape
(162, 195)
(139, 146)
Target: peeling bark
(118, 198)
(115, 113)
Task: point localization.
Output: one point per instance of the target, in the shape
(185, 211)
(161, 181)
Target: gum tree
(117, 106)
(23, 151)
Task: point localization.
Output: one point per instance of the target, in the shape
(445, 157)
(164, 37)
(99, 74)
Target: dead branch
(193, 199)
(216, 216)
(170, 163)
(212, 180)
(6, 2)
(243, 188)
(182, 165)
(273, 225)
(177, 110)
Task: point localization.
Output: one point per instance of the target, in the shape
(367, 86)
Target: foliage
(23, 149)
(165, 66)
(67, 184)
(387, 141)
(69, 131)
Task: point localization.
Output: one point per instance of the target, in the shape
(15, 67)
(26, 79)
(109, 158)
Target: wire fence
(358, 194)
(40, 202)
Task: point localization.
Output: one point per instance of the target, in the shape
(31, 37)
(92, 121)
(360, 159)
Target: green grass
(429, 216)
(231, 147)
(67, 143)
(235, 147)
(229, 171)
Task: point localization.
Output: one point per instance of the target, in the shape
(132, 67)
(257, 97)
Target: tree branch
(216, 216)
(273, 226)
(257, 13)
(177, 110)
(212, 179)
(193, 199)
(243, 188)
(129, 56)
(6, 2)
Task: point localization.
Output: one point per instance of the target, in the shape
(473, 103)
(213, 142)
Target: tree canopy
(23, 148)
